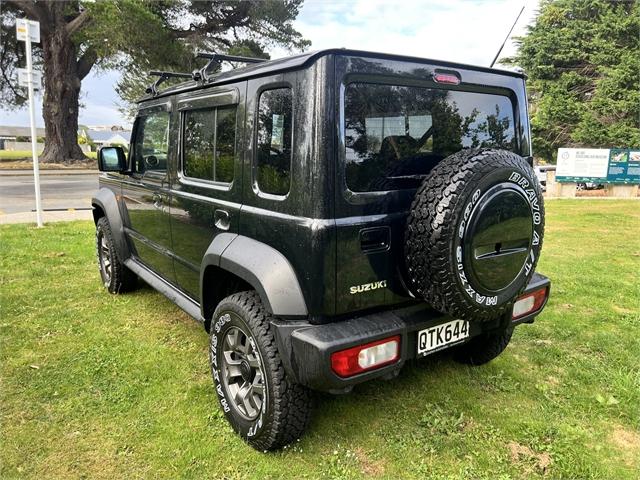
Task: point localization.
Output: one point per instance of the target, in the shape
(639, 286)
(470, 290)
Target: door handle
(376, 239)
(221, 219)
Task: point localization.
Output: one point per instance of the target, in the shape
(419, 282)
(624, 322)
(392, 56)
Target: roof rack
(219, 57)
(162, 76)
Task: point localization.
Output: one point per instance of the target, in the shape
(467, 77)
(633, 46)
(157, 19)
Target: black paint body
(332, 238)
(320, 226)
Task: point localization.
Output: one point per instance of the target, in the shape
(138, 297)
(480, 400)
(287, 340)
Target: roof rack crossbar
(162, 76)
(220, 57)
(229, 58)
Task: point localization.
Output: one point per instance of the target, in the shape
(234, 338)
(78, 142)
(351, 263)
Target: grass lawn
(16, 154)
(101, 386)
(18, 158)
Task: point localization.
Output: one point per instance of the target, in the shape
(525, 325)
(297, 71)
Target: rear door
(207, 191)
(146, 190)
(395, 124)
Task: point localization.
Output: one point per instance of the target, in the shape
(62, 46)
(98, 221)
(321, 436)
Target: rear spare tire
(474, 233)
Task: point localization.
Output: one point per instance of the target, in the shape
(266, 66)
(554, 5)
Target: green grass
(8, 155)
(101, 386)
(16, 154)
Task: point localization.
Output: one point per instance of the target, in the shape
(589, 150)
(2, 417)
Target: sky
(466, 31)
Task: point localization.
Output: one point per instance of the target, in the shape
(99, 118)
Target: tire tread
(429, 255)
(291, 402)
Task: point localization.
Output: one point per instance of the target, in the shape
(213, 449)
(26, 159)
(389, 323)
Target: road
(59, 190)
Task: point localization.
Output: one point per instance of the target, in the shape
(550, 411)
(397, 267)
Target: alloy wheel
(104, 255)
(242, 373)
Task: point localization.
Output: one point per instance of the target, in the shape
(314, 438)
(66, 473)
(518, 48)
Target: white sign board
(582, 162)
(23, 78)
(23, 26)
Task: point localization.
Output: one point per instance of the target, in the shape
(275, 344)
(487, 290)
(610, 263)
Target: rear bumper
(306, 349)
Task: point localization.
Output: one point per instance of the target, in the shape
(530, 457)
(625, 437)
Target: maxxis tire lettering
(214, 361)
(286, 407)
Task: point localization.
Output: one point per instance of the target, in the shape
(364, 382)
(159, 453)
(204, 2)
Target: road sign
(598, 165)
(23, 26)
(581, 164)
(23, 78)
(28, 31)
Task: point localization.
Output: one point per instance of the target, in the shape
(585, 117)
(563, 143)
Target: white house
(107, 137)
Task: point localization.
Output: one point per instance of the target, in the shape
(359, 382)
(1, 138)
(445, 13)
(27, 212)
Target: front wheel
(260, 402)
(116, 277)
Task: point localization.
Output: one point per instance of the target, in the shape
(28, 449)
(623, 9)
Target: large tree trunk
(61, 92)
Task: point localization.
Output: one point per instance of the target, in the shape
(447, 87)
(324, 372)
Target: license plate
(436, 338)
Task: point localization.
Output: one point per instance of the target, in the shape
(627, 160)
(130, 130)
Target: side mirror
(112, 159)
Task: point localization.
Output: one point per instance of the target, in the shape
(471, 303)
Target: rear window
(395, 135)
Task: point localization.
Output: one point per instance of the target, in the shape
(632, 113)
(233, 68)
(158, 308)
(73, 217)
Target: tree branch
(77, 23)
(35, 11)
(86, 63)
(183, 33)
(28, 7)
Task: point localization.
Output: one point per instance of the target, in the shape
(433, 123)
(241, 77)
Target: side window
(273, 146)
(209, 143)
(151, 145)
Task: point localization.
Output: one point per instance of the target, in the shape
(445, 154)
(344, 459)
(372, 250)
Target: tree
(133, 36)
(583, 62)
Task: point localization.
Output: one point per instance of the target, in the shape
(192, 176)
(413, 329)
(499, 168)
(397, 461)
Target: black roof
(303, 59)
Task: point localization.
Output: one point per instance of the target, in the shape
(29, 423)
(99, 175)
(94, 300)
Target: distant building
(108, 137)
(9, 136)
(19, 138)
(104, 128)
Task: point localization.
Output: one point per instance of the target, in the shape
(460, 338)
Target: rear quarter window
(273, 145)
(395, 135)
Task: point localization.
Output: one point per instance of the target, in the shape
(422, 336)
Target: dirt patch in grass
(370, 467)
(628, 442)
(623, 310)
(522, 454)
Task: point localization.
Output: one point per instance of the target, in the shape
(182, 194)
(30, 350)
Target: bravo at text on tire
(474, 233)
(260, 402)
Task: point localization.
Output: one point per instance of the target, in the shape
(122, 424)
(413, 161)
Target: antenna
(507, 38)
(162, 76)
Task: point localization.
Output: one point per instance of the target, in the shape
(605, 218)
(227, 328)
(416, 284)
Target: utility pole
(29, 31)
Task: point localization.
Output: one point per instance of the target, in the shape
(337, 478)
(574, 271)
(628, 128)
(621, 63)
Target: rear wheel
(116, 277)
(260, 402)
(484, 348)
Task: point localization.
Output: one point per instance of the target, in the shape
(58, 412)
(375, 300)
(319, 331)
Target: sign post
(29, 31)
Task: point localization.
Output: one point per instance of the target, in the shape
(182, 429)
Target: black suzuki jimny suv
(328, 217)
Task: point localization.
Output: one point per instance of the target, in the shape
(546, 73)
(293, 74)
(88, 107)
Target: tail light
(529, 303)
(369, 356)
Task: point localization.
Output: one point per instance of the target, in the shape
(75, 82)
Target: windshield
(395, 135)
